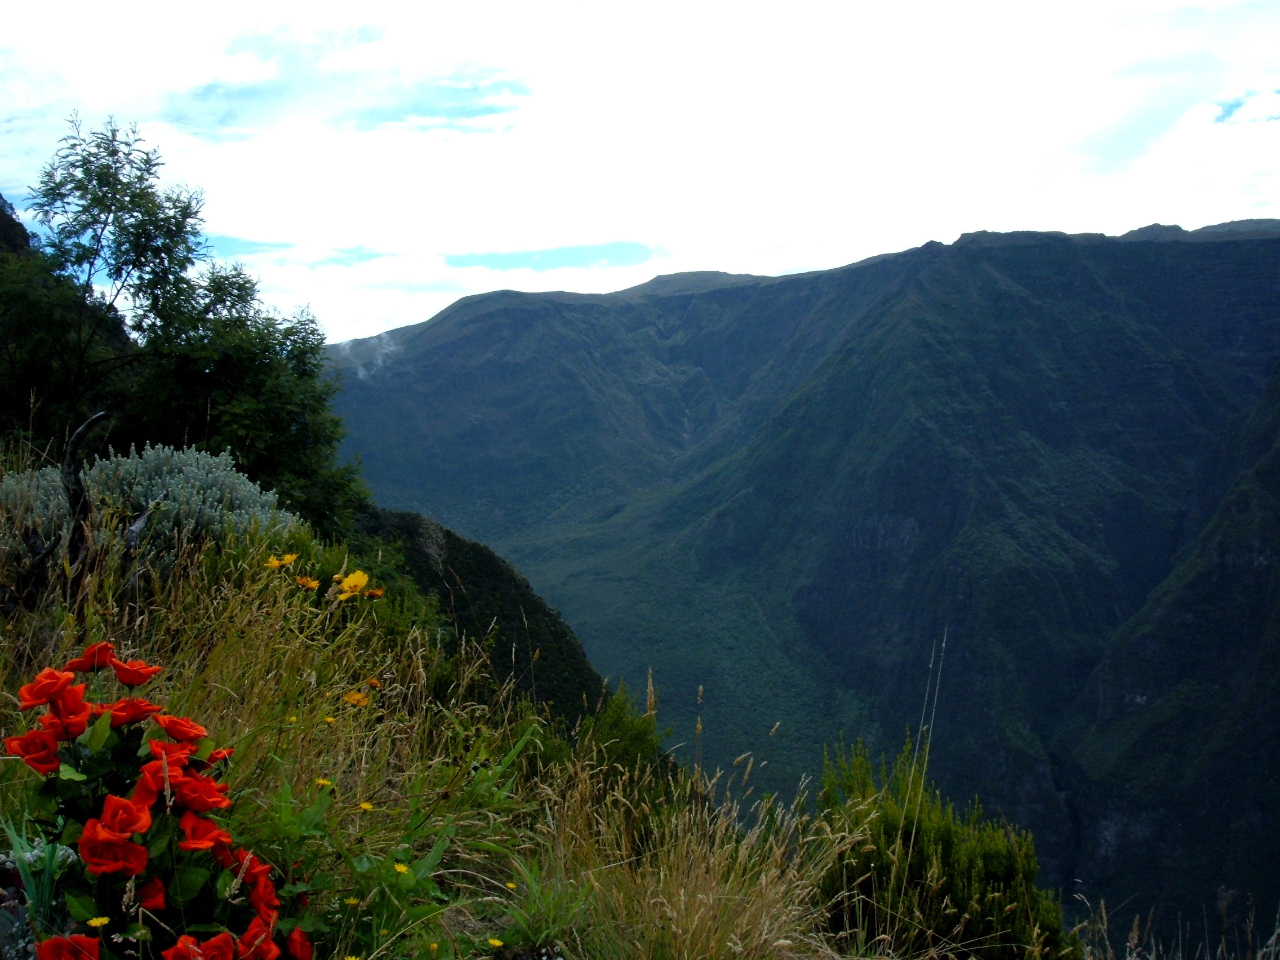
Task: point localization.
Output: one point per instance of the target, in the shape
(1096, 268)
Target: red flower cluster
(174, 782)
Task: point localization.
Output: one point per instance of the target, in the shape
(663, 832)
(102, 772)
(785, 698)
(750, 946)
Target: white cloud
(728, 136)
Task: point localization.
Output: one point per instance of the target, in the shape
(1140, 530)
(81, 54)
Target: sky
(375, 162)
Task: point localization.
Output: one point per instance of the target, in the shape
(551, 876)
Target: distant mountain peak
(695, 281)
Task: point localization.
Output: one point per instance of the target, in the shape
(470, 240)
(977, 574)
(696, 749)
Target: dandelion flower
(435, 947)
(323, 782)
(375, 683)
(288, 558)
(274, 562)
(352, 901)
(512, 886)
(330, 719)
(98, 921)
(402, 868)
(495, 942)
(292, 718)
(356, 698)
(366, 805)
(308, 583)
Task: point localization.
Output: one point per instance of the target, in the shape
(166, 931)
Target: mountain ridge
(783, 492)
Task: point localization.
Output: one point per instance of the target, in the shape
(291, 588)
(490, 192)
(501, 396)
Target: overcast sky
(377, 164)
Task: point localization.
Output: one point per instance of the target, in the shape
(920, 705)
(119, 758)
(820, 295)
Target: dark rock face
(13, 235)
(1050, 450)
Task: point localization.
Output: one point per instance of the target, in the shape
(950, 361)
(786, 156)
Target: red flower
(202, 833)
(39, 749)
(299, 945)
(133, 673)
(74, 947)
(256, 944)
(178, 754)
(69, 706)
(221, 947)
(264, 899)
(105, 851)
(152, 895)
(243, 863)
(222, 753)
(181, 728)
(155, 777)
(200, 793)
(125, 817)
(185, 949)
(95, 657)
(129, 710)
(47, 685)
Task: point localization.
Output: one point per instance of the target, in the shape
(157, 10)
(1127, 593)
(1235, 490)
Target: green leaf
(159, 843)
(187, 882)
(66, 772)
(290, 889)
(226, 880)
(81, 906)
(95, 736)
(136, 931)
(363, 863)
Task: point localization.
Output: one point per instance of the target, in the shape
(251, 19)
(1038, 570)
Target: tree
(204, 363)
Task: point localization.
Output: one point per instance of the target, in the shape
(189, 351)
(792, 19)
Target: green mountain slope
(783, 493)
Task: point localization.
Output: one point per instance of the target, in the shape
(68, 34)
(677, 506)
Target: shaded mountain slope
(782, 493)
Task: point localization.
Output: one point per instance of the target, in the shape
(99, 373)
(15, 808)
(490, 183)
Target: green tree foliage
(119, 308)
(929, 880)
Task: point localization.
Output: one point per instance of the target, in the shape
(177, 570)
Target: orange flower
(375, 593)
(47, 685)
(39, 749)
(181, 728)
(308, 583)
(95, 657)
(134, 673)
(201, 833)
(356, 698)
(128, 710)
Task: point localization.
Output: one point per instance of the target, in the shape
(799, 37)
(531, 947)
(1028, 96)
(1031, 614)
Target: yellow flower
(99, 921)
(352, 958)
(402, 868)
(495, 942)
(352, 901)
(356, 698)
(435, 947)
(366, 805)
(353, 584)
(288, 558)
(512, 886)
(293, 718)
(273, 562)
(330, 719)
(308, 583)
(323, 782)
(375, 683)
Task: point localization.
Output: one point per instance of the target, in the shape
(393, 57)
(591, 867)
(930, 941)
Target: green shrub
(929, 880)
(191, 496)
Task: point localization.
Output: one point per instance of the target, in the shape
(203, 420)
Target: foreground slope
(783, 493)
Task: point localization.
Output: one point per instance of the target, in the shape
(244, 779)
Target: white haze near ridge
(724, 137)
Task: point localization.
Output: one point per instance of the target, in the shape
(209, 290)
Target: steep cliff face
(783, 493)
